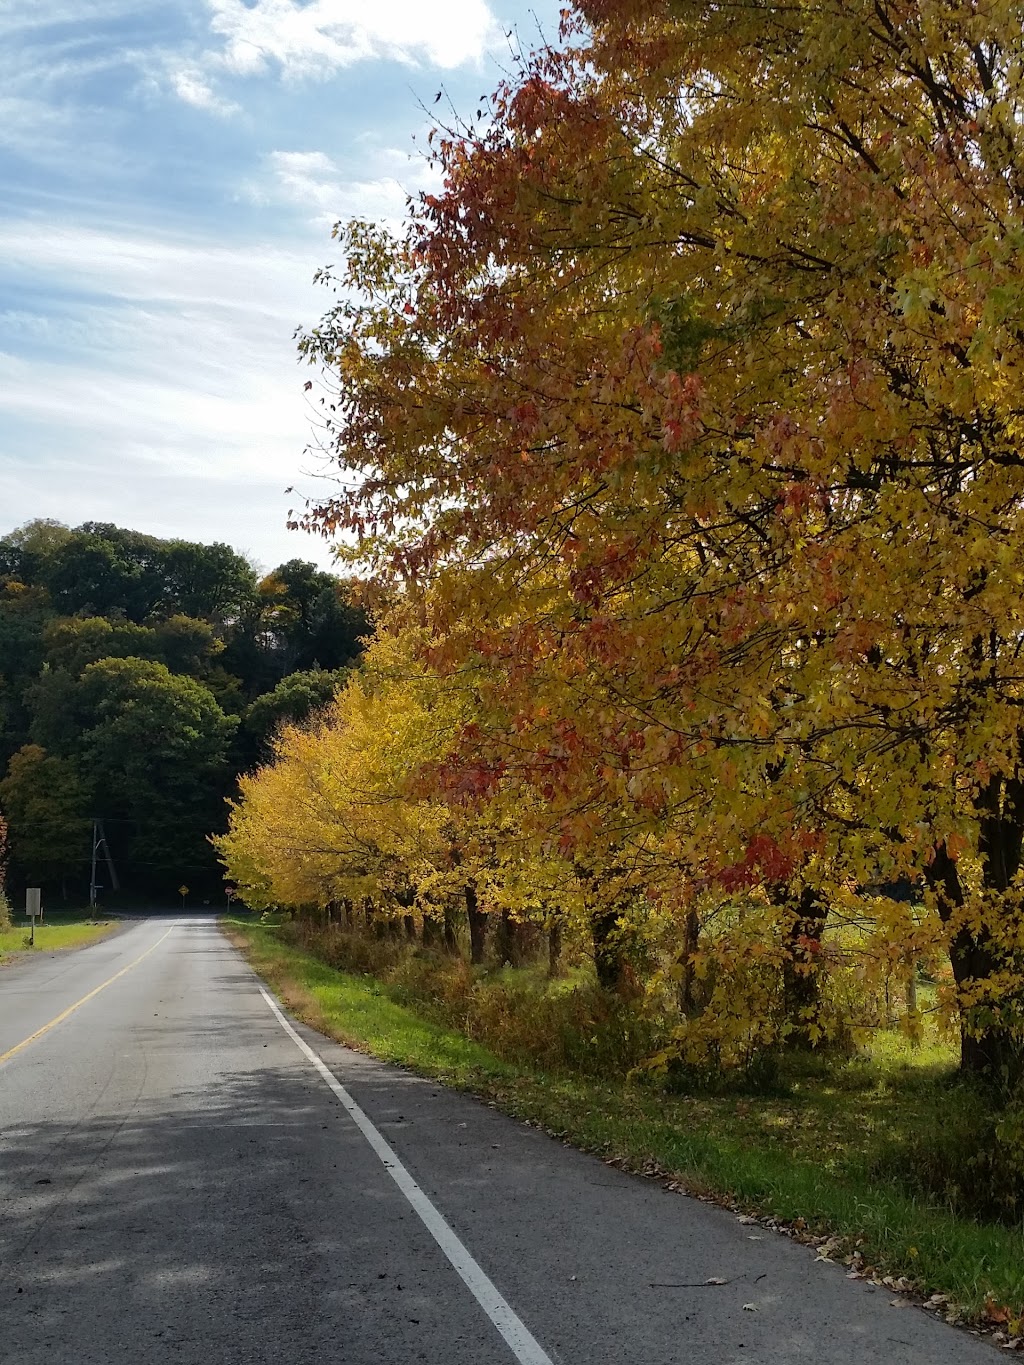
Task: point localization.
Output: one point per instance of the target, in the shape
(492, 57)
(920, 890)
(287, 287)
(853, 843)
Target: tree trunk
(369, 911)
(450, 929)
(609, 960)
(555, 948)
(507, 944)
(406, 898)
(801, 967)
(431, 930)
(688, 981)
(349, 913)
(913, 1013)
(991, 1051)
(477, 926)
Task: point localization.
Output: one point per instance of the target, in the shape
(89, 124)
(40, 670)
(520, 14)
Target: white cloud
(50, 114)
(313, 181)
(129, 264)
(166, 392)
(319, 37)
(314, 39)
(31, 126)
(308, 178)
(191, 86)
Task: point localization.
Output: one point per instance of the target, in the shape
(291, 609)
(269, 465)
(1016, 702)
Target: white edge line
(521, 1342)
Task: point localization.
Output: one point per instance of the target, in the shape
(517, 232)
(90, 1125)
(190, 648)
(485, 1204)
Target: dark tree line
(138, 678)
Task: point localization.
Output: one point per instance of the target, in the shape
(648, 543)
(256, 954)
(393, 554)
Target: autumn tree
(327, 818)
(363, 805)
(690, 402)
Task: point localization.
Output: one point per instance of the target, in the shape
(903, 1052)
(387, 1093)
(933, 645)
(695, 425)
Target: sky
(171, 172)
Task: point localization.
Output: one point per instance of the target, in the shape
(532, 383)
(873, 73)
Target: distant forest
(138, 678)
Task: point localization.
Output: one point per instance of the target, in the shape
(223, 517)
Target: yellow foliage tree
(327, 819)
(692, 402)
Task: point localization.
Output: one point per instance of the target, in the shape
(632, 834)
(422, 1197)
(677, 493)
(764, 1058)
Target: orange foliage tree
(689, 410)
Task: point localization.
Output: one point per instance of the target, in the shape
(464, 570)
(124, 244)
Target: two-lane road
(181, 1180)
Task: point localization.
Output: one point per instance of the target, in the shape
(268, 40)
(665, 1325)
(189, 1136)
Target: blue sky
(171, 171)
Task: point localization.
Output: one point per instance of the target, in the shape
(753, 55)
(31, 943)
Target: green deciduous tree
(184, 644)
(310, 615)
(74, 598)
(212, 582)
(155, 746)
(48, 808)
(296, 698)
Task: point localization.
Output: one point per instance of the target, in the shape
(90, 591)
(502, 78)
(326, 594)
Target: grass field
(59, 929)
(860, 1151)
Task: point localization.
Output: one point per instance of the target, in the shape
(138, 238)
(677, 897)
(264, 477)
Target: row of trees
(137, 678)
(685, 420)
(366, 819)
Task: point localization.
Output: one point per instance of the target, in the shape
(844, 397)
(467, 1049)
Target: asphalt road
(180, 1183)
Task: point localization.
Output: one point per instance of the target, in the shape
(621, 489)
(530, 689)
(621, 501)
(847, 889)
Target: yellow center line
(6, 1056)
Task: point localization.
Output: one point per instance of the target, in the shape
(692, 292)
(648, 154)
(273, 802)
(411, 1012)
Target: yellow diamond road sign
(182, 890)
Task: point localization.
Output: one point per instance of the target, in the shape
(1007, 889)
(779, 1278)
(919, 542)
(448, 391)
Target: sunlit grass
(58, 929)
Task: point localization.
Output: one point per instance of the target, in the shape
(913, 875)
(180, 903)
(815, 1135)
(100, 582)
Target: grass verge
(59, 929)
(824, 1158)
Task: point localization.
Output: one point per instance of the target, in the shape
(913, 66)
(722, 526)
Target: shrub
(970, 1159)
(520, 1017)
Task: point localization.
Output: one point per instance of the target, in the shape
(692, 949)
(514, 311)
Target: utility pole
(99, 841)
(115, 885)
(93, 888)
